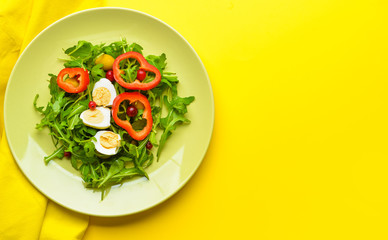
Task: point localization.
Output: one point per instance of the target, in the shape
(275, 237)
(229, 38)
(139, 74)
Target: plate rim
(182, 183)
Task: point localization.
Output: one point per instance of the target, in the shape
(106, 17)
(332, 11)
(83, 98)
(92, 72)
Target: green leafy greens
(62, 117)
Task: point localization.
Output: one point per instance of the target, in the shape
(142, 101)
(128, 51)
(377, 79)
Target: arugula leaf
(115, 168)
(58, 103)
(82, 50)
(98, 72)
(180, 104)
(169, 124)
(85, 170)
(79, 108)
(89, 149)
(74, 162)
(134, 47)
(114, 49)
(74, 64)
(89, 131)
(73, 121)
(139, 124)
(58, 153)
(126, 159)
(158, 61)
(53, 86)
(131, 73)
(131, 149)
(139, 115)
(39, 109)
(126, 172)
(177, 108)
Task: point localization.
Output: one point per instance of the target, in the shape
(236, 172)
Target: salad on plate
(111, 112)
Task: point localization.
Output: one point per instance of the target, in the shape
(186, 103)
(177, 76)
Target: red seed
(149, 145)
(92, 105)
(141, 74)
(67, 154)
(131, 111)
(109, 75)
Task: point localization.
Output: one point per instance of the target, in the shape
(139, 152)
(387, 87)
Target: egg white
(101, 125)
(106, 83)
(100, 149)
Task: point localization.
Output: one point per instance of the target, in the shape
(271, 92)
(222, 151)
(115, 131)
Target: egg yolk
(101, 96)
(109, 140)
(93, 116)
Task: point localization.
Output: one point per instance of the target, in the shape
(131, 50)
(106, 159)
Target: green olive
(106, 60)
(138, 105)
(73, 82)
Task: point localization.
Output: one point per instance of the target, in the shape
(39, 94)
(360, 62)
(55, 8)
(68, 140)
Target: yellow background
(299, 148)
(299, 143)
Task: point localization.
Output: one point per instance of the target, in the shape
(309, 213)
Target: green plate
(184, 150)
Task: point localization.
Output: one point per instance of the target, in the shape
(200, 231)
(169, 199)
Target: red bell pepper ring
(133, 97)
(76, 76)
(144, 65)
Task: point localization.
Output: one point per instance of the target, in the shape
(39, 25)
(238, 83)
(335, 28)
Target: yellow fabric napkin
(24, 212)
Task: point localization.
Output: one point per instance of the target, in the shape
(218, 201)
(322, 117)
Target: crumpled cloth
(24, 212)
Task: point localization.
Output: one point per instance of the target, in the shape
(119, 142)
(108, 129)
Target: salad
(111, 112)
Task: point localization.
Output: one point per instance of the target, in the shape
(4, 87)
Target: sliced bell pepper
(133, 97)
(77, 80)
(144, 65)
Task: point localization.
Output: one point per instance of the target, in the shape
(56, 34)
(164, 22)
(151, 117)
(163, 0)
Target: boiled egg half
(107, 142)
(98, 118)
(104, 93)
